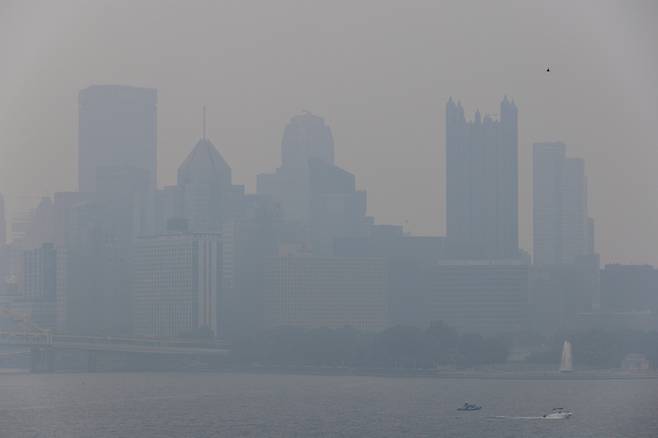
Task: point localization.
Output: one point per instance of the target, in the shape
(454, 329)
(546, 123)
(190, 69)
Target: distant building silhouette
(562, 230)
(315, 194)
(178, 279)
(204, 183)
(309, 291)
(482, 183)
(117, 127)
(485, 297)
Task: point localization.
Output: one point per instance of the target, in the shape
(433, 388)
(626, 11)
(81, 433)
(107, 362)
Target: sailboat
(566, 365)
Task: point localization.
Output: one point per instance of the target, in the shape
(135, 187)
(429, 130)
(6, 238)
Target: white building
(178, 284)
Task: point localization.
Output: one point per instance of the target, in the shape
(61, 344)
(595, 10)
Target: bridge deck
(128, 345)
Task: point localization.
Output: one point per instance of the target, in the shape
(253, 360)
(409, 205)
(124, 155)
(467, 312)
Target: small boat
(558, 414)
(469, 407)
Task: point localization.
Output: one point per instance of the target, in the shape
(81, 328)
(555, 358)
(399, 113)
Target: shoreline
(499, 374)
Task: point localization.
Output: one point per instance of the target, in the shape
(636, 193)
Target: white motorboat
(558, 414)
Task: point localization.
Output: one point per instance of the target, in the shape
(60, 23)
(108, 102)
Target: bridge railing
(141, 342)
(48, 339)
(25, 338)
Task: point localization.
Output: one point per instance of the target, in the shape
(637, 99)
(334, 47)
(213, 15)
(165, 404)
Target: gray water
(249, 405)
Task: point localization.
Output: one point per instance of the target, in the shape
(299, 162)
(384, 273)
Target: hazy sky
(379, 72)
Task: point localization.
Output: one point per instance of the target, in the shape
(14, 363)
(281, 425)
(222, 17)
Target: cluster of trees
(600, 348)
(399, 347)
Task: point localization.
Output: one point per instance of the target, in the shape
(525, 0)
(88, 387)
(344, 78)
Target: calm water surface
(250, 405)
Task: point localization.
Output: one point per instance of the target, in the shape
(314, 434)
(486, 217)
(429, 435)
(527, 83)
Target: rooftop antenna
(204, 122)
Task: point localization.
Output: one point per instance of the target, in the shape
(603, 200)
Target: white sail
(567, 362)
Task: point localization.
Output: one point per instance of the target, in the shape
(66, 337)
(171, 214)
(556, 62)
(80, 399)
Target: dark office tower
(204, 181)
(562, 231)
(117, 127)
(3, 223)
(482, 183)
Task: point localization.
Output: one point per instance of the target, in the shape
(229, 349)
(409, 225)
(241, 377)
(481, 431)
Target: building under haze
(315, 195)
(117, 127)
(562, 230)
(178, 278)
(309, 291)
(205, 189)
(485, 297)
(482, 183)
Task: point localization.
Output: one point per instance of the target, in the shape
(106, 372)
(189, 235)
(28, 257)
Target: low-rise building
(310, 291)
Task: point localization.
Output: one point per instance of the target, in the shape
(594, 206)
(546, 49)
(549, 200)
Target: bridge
(43, 344)
(43, 347)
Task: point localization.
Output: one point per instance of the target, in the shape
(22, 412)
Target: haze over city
(296, 218)
(378, 72)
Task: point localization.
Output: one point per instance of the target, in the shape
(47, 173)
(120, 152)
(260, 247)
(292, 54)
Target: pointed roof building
(204, 162)
(204, 180)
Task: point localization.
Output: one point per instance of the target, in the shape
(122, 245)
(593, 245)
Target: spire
(204, 123)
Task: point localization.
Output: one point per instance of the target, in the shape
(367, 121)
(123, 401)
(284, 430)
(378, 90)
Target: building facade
(482, 183)
(178, 284)
(315, 194)
(488, 297)
(309, 291)
(562, 230)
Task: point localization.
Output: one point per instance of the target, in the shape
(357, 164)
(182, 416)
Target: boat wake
(506, 417)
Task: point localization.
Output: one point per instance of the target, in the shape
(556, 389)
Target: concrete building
(178, 284)
(485, 297)
(309, 291)
(482, 183)
(117, 127)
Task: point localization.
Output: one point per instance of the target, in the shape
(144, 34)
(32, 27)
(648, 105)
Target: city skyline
(367, 104)
(299, 218)
(205, 147)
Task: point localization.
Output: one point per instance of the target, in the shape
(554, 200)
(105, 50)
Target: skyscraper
(562, 231)
(204, 182)
(117, 127)
(482, 183)
(315, 194)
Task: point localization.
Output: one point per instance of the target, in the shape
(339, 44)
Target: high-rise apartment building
(117, 127)
(482, 183)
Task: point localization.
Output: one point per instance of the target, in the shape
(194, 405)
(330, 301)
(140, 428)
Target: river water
(145, 405)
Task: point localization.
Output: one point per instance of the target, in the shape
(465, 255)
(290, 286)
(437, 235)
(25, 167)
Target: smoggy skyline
(379, 73)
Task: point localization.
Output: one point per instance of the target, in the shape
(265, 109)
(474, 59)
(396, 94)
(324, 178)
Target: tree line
(400, 347)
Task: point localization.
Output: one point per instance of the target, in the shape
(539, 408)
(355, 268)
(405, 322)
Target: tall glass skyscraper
(482, 183)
